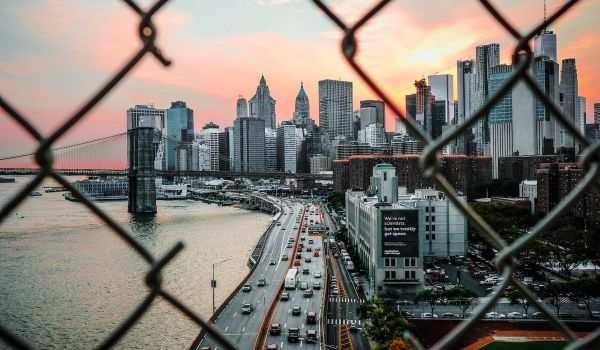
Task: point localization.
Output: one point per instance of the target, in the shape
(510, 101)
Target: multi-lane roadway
(241, 329)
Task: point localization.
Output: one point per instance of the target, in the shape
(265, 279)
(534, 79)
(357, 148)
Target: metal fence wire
(506, 262)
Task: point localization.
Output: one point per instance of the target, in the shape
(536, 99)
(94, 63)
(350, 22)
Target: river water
(66, 280)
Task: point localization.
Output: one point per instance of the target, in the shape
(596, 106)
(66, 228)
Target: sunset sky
(54, 54)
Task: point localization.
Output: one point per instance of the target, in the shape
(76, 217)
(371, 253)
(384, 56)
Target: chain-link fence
(506, 261)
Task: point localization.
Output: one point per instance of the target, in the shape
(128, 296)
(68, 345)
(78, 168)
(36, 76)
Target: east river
(67, 281)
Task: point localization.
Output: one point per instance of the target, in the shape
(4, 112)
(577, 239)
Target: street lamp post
(213, 282)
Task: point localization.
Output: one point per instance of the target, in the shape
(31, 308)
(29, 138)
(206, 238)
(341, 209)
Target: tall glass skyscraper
(335, 108)
(569, 98)
(486, 57)
(180, 128)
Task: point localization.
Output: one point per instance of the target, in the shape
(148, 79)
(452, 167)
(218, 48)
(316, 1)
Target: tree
(383, 324)
(584, 290)
(397, 344)
(566, 245)
(460, 296)
(336, 198)
(554, 292)
(516, 297)
(431, 296)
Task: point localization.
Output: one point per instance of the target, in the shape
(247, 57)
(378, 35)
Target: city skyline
(210, 80)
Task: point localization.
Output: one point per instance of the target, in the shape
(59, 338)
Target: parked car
(296, 311)
(515, 314)
(494, 315)
(428, 315)
(247, 308)
(537, 314)
(450, 315)
(565, 315)
(246, 288)
(285, 296)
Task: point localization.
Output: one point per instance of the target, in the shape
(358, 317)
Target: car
(298, 256)
(284, 258)
(450, 315)
(247, 288)
(515, 314)
(293, 335)
(303, 285)
(494, 315)
(537, 314)
(272, 262)
(296, 262)
(407, 314)
(272, 347)
(303, 238)
(291, 239)
(316, 285)
(428, 315)
(247, 309)
(296, 311)
(317, 274)
(308, 293)
(275, 329)
(334, 291)
(353, 328)
(299, 250)
(311, 336)
(285, 296)
(566, 315)
(289, 245)
(305, 271)
(206, 348)
(316, 254)
(310, 241)
(402, 302)
(307, 259)
(317, 248)
(301, 245)
(261, 282)
(309, 249)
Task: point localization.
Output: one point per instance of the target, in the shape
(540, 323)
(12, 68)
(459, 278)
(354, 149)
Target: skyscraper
(302, 110)
(442, 87)
(335, 108)
(500, 117)
(596, 113)
(424, 104)
(146, 115)
(287, 150)
(582, 113)
(180, 128)
(262, 105)
(569, 100)
(379, 110)
(241, 107)
(270, 149)
(466, 84)
(545, 45)
(486, 57)
(249, 144)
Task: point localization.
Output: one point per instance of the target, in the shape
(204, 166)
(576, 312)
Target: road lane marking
(243, 329)
(235, 314)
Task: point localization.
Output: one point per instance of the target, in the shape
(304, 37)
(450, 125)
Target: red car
(299, 249)
(296, 262)
(308, 293)
(316, 254)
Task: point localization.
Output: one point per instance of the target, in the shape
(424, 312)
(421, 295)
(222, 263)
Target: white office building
(335, 108)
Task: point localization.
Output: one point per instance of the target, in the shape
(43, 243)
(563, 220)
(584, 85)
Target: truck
(290, 279)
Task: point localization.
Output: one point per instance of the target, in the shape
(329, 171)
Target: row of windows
(432, 236)
(427, 228)
(391, 275)
(391, 262)
(432, 218)
(432, 209)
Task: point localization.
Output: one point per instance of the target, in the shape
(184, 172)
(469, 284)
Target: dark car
(308, 293)
(311, 336)
(284, 258)
(261, 282)
(296, 311)
(275, 329)
(305, 271)
(246, 288)
(293, 335)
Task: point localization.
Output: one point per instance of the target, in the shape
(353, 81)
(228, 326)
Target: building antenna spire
(545, 18)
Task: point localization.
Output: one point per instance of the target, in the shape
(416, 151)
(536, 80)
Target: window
(406, 275)
(387, 275)
(392, 261)
(432, 227)
(426, 227)
(385, 176)
(413, 275)
(433, 209)
(427, 209)
(427, 237)
(433, 219)
(410, 262)
(427, 218)
(393, 275)
(433, 236)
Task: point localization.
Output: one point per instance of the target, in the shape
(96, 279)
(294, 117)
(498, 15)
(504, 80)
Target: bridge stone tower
(142, 175)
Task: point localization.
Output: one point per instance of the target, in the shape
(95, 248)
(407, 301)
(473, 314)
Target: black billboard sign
(400, 233)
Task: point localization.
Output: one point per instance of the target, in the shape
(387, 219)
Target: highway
(283, 309)
(240, 328)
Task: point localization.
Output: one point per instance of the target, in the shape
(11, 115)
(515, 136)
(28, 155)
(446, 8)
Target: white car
(494, 315)
(317, 274)
(334, 291)
(515, 314)
(428, 315)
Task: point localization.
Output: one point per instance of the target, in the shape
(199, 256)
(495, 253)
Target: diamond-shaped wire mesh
(506, 262)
